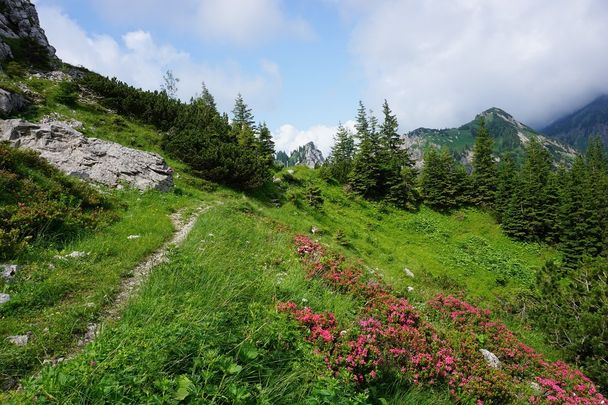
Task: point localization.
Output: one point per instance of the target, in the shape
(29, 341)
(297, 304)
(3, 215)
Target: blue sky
(304, 64)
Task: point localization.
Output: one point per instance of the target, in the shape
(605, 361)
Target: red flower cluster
(392, 342)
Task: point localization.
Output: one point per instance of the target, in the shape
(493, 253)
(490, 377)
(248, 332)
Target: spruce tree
(443, 181)
(506, 177)
(242, 115)
(484, 176)
(266, 145)
(341, 158)
(365, 171)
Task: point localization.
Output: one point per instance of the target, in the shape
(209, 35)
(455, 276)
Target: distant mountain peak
(509, 134)
(579, 126)
(306, 155)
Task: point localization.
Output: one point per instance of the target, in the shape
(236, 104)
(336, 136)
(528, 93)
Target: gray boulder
(89, 159)
(490, 358)
(4, 298)
(11, 103)
(9, 270)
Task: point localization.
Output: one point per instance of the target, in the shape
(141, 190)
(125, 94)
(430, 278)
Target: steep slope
(577, 128)
(509, 135)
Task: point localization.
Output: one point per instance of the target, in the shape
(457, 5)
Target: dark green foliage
(37, 202)
(314, 196)
(573, 310)
(506, 182)
(584, 208)
(154, 108)
(533, 204)
(197, 134)
(365, 171)
(443, 181)
(340, 161)
(30, 53)
(14, 69)
(484, 177)
(282, 158)
(67, 93)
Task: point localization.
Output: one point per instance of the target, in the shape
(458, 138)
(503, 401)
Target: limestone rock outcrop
(90, 159)
(19, 20)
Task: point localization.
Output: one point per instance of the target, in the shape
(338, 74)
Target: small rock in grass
(491, 358)
(290, 171)
(77, 254)
(410, 289)
(131, 237)
(408, 272)
(4, 298)
(276, 179)
(20, 340)
(536, 387)
(314, 230)
(9, 270)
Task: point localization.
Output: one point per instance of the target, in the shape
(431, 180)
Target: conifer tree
(443, 181)
(242, 115)
(506, 178)
(266, 145)
(365, 170)
(397, 180)
(341, 159)
(484, 176)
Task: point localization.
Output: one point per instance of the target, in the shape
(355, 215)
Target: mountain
(307, 155)
(21, 37)
(509, 135)
(576, 128)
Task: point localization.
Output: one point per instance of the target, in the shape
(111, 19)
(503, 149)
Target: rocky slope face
(577, 128)
(509, 135)
(307, 155)
(18, 24)
(90, 159)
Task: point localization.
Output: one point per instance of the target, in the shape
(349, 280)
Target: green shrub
(37, 202)
(67, 93)
(14, 69)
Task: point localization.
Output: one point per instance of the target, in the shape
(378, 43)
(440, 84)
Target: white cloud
(138, 60)
(288, 138)
(439, 63)
(235, 22)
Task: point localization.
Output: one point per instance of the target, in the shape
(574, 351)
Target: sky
(303, 65)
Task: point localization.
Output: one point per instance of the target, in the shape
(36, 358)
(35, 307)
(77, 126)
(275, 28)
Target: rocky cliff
(20, 33)
(307, 155)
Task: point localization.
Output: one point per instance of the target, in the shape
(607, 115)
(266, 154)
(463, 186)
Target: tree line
(532, 201)
(234, 151)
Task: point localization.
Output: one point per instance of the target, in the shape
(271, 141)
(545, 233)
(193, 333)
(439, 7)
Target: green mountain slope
(577, 128)
(509, 135)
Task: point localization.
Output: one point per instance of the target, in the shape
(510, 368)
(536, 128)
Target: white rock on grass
(408, 272)
(491, 358)
(410, 289)
(4, 298)
(131, 237)
(9, 270)
(20, 340)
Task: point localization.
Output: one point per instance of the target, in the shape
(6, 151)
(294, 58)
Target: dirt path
(130, 286)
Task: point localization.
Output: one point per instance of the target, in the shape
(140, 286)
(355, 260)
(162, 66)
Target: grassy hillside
(207, 326)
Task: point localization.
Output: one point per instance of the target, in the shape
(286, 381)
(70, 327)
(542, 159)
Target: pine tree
(207, 98)
(507, 173)
(169, 85)
(397, 180)
(365, 171)
(341, 159)
(443, 181)
(242, 115)
(484, 176)
(266, 145)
